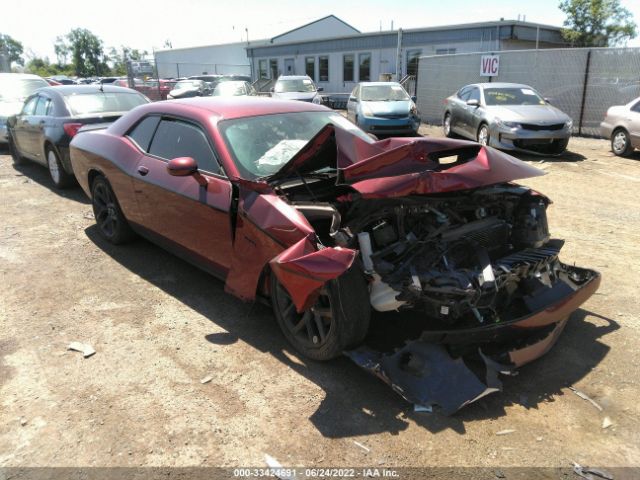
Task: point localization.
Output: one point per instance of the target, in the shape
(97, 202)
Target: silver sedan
(622, 125)
(508, 116)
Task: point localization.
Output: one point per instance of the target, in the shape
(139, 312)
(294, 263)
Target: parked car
(508, 116)
(189, 88)
(63, 80)
(159, 89)
(214, 80)
(383, 108)
(621, 124)
(14, 88)
(52, 116)
(290, 203)
(234, 89)
(296, 87)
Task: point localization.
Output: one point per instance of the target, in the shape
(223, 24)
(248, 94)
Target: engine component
(383, 297)
(365, 251)
(530, 226)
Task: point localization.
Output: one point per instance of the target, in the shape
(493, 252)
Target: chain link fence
(582, 82)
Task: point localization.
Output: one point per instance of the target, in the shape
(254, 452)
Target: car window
(474, 94)
(463, 93)
(636, 107)
(30, 106)
(98, 102)
(354, 92)
(42, 106)
(384, 93)
(142, 133)
(512, 96)
(175, 138)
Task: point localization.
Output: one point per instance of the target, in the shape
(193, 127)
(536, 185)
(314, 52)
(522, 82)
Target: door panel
(469, 114)
(21, 130)
(634, 125)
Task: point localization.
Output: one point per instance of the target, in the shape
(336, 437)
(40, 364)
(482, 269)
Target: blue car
(383, 108)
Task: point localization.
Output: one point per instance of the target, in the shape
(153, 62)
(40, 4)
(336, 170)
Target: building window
(347, 68)
(273, 67)
(445, 51)
(413, 57)
(310, 67)
(262, 69)
(323, 67)
(364, 61)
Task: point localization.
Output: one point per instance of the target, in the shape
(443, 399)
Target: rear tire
(15, 153)
(61, 179)
(483, 135)
(446, 126)
(337, 321)
(621, 143)
(112, 224)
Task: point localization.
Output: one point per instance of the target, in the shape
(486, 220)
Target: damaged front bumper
(441, 367)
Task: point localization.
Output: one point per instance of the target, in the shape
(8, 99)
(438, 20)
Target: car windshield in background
(87, 103)
(187, 84)
(18, 89)
(229, 89)
(262, 145)
(512, 96)
(384, 93)
(294, 85)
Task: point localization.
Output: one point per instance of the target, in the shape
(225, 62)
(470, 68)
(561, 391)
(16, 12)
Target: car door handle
(142, 170)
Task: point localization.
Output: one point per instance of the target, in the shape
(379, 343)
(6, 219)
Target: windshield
(261, 145)
(19, 88)
(187, 84)
(384, 93)
(229, 89)
(84, 104)
(512, 96)
(294, 85)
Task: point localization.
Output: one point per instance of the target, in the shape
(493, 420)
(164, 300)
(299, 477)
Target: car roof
(66, 90)
(239, 107)
(375, 84)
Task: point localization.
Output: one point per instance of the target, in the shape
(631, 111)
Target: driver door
(189, 215)
(470, 114)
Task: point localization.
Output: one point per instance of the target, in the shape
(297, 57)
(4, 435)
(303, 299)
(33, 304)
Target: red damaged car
(288, 202)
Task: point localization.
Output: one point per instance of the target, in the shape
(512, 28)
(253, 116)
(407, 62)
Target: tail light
(71, 128)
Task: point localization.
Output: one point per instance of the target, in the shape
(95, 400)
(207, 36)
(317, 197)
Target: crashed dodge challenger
(289, 203)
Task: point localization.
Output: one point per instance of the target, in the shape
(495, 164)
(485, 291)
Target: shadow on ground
(356, 403)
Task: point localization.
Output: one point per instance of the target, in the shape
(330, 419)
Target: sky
(146, 25)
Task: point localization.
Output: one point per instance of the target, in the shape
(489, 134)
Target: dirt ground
(159, 326)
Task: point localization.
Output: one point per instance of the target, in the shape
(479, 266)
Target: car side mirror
(547, 100)
(413, 98)
(272, 89)
(182, 166)
(353, 99)
(473, 103)
(320, 89)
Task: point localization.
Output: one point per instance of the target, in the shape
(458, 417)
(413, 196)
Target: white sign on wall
(489, 65)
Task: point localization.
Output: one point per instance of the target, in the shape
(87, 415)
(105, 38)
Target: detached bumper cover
(423, 372)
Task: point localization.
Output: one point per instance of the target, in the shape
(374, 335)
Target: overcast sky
(145, 24)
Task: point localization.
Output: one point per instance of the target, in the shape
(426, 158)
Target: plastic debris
(365, 448)
(586, 397)
(606, 422)
(206, 379)
(505, 432)
(84, 348)
(590, 473)
(422, 408)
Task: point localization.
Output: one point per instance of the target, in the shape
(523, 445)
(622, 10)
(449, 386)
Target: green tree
(597, 23)
(62, 49)
(87, 53)
(12, 47)
(118, 58)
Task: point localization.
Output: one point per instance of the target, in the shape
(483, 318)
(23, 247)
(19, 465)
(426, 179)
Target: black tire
(446, 126)
(15, 153)
(482, 138)
(343, 310)
(112, 224)
(621, 143)
(59, 176)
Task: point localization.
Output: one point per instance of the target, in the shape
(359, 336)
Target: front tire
(61, 179)
(483, 135)
(112, 224)
(338, 320)
(446, 126)
(621, 143)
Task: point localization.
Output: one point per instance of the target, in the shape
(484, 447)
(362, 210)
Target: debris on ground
(365, 448)
(206, 379)
(279, 470)
(23, 421)
(606, 422)
(499, 474)
(84, 348)
(423, 408)
(586, 397)
(590, 473)
(505, 432)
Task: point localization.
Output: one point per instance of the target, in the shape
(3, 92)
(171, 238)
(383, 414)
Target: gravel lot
(159, 326)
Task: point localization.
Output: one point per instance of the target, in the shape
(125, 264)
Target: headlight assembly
(413, 110)
(500, 123)
(366, 110)
(569, 125)
(317, 100)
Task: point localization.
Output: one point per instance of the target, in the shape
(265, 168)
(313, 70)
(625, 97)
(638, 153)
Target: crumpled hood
(542, 114)
(11, 107)
(304, 96)
(400, 107)
(397, 167)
